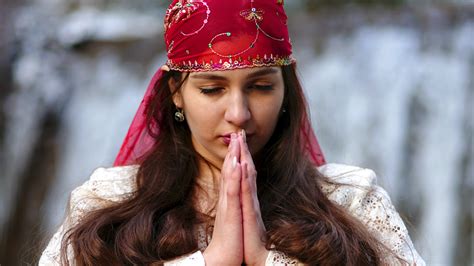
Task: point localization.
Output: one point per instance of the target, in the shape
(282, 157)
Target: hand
(255, 252)
(226, 246)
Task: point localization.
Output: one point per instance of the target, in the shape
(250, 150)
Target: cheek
(266, 114)
(201, 121)
(267, 109)
(202, 117)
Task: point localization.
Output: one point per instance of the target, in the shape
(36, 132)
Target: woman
(221, 167)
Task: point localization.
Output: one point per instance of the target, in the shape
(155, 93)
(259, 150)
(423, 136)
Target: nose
(238, 112)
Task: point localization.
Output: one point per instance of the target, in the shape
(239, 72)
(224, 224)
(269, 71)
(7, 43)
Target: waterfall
(390, 90)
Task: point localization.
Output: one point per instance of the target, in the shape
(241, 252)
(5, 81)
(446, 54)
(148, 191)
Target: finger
(249, 173)
(232, 185)
(250, 205)
(230, 206)
(232, 174)
(244, 183)
(245, 154)
(229, 161)
(235, 146)
(227, 166)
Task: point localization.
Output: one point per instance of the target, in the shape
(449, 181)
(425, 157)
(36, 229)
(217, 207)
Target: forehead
(237, 73)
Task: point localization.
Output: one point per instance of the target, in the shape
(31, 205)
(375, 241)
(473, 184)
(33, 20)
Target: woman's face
(219, 103)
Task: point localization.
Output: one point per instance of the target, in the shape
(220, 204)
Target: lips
(226, 138)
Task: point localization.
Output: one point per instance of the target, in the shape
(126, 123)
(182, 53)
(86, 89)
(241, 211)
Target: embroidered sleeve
(377, 212)
(105, 186)
(355, 189)
(51, 255)
(277, 258)
(82, 200)
(357, 192)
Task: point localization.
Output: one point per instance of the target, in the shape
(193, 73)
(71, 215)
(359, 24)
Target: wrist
(212, 259)
(209, 259)
(261, 259)
(266, 253)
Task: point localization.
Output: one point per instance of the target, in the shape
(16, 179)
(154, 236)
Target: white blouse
(356, 191)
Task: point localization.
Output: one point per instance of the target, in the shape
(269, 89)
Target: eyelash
(217, 89)
(209, 90)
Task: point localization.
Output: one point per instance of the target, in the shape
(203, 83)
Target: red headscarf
(212, 35)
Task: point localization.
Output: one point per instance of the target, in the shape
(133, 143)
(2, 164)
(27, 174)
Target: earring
(179, 115)
(283, 111)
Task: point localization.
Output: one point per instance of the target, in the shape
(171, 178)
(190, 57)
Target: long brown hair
(158, 222)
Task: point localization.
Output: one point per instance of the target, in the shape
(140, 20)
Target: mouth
(226, 138)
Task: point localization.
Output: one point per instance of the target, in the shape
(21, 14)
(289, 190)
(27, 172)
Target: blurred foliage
(313, 5)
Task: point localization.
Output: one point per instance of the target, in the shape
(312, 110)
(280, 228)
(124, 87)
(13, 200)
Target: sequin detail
(255, 15)
(183, 58)
(231, 63)
(204, 22)
(252, 14)
(182, 11)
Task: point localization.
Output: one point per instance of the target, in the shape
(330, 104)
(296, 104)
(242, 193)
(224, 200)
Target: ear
(177, 97)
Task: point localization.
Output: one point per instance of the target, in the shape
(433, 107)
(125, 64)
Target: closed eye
(262, 87)
(216, 90)
(210, 90)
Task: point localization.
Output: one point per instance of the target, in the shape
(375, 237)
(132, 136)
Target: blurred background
(390, 85)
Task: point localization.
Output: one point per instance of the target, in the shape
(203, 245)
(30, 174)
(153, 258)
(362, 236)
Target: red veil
(215, 35)
(137, 141)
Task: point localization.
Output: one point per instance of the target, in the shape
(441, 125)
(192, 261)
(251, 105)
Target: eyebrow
(255, 74)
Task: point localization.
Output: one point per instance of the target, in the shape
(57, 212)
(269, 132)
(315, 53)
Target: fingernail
(244, 136)
(232, 136)
(234, 162)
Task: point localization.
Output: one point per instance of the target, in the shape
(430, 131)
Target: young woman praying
(221, 166)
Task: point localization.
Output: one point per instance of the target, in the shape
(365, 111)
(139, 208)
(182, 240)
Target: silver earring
(283, 110)
(179, 115)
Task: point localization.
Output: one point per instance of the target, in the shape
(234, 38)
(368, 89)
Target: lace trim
(357, 193)
(278, 258)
